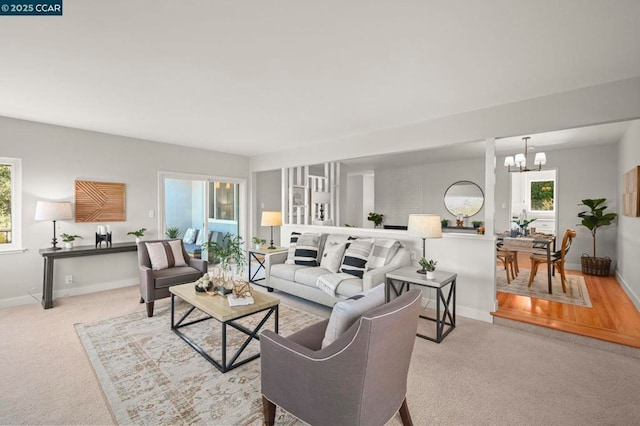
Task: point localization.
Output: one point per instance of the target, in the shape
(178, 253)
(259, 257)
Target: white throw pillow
(332, 256)
(165, 254)
(348, 311)
(383, 251)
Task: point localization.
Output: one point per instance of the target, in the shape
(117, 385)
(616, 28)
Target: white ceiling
(545, 142)
(252, 77)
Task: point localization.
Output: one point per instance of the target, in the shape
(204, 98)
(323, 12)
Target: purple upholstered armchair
(359, 379)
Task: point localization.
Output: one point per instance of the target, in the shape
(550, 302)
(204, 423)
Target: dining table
(533, 243)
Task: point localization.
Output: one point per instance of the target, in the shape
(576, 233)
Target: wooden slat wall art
(630, 198)
(100, 201)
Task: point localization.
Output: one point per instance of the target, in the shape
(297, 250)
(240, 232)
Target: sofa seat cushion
(309, 276)
(285, 271)
(172, 276)
(349, 288)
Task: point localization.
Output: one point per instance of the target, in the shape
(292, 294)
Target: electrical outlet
(68, 279)
(414, 256)
(152, 214)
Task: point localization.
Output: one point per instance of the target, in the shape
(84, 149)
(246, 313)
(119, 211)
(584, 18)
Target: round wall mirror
(464, 197)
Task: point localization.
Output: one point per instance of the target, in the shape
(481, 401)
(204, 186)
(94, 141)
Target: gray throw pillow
(348, 311)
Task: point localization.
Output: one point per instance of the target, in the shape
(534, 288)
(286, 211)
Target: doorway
(204, 205)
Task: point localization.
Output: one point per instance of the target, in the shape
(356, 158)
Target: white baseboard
(73, 291)
(634, 297)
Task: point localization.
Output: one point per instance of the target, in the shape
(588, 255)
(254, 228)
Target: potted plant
(227, 254)
(257, 241)
(476, 223)
(445, 223)
(593, 219)
(523, 224)
(428, 265)
(172, 232)
(376, 218)
(69, 239)
(138, 234)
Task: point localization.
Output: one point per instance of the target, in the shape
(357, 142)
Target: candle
(101, 230)
(107, 229)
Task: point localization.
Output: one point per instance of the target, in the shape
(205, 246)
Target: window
(223, 198)
(10, 203)
(542, 195)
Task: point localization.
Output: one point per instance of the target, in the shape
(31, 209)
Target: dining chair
(507, 259)
(557, 259)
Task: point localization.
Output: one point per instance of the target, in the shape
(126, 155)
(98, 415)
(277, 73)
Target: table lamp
(424, 226)
(48, 210)
(271, 219)
(321, 198)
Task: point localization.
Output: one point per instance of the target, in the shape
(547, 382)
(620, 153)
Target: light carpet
(150, 376)
(577, 293)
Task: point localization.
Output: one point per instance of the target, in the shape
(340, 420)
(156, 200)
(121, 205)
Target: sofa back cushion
(347, 312)
(307, 247)
(165, 254)
(356, 256)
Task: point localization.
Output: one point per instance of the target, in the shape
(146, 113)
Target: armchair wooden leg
(404, 414)
(150, 309)
(269, 411)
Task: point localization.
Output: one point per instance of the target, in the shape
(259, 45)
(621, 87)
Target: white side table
(400, 281)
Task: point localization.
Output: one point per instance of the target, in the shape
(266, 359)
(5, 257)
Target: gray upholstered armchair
(155, 284)
(359, 379)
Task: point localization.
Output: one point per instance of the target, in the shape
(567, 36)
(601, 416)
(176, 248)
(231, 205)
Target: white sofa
(302, 281)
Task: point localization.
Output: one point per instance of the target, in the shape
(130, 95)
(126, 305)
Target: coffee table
(217, 307)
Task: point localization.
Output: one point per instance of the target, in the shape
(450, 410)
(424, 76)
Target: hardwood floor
(613, 317)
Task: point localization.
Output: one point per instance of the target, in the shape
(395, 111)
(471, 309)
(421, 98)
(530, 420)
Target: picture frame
(298, 195)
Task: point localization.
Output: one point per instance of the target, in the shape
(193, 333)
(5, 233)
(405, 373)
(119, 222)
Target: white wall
(628, 243)
(421, 189)
(268, 190)
(53, 158)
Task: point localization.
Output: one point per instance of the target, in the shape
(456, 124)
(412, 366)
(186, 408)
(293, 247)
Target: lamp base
(53, 248)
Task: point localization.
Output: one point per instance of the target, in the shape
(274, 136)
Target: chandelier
(520, 162)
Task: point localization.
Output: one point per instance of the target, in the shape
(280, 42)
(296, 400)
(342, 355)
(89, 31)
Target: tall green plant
(229, 251)
(595, 217)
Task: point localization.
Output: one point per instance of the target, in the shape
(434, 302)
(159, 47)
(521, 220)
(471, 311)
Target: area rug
(151, 376)
(577, 293)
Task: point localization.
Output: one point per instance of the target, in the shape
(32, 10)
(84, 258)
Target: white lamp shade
(540, 160)
(425, 225)
(508, 161)
(521, 160)
(48, 210)
(271, 219)
(321, 197)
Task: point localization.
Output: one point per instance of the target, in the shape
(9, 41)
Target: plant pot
(258, 246)
(597, 266)
(138, 239)
(68, 244)
(431, 275)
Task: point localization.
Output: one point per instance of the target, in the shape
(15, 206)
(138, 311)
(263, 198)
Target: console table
(80, 251)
